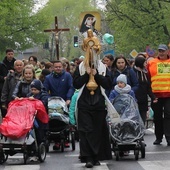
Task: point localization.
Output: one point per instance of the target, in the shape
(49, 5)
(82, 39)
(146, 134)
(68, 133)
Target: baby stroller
(127, 134)
(17, 130)
(59, 127)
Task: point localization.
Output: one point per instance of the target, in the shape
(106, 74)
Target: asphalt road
(157, 158)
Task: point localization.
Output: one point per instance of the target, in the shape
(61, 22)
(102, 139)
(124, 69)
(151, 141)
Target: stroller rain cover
(131, 126)
(20, 116)
(57, 109)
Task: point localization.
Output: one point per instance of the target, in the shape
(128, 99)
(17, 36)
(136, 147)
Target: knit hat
(122, 78)
(36, 84)
(139, 61)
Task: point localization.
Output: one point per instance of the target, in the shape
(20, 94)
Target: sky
(40, 3)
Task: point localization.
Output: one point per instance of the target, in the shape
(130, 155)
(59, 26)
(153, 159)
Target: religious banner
(90, 20)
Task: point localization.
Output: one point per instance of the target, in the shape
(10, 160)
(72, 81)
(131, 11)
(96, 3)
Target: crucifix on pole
(57, 31)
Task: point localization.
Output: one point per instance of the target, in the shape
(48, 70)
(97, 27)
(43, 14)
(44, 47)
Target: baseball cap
(163, 47)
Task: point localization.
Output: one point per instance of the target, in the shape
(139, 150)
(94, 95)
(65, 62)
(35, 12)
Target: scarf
(143, 73)
(124, 90)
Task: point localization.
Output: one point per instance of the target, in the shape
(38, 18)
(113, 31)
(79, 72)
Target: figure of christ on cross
(57, 30)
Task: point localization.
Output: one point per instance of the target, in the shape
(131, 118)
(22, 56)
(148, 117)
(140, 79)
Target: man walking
(5, 66)
(159, 71)
(59, 83)
(9, 85)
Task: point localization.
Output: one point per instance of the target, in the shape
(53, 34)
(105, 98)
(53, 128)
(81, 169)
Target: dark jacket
(59, 85)
(9, 86)
(43, 96)
(131, 77)
(22, 89)
(5, 66)
(144, 89)
(86, 100)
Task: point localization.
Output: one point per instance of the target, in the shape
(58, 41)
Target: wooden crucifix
(57, 30)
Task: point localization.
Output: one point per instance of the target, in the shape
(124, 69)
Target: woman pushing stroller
(30, 87)
(131, 127)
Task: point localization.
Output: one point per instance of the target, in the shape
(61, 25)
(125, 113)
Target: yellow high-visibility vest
(159, 71)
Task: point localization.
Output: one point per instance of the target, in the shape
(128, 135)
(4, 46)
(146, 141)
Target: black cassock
(92, 126)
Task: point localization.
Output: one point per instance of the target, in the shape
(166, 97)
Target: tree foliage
(68, 14)
(137, 23)
(20, 24)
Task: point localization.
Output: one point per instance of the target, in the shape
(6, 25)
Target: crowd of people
(111, 75)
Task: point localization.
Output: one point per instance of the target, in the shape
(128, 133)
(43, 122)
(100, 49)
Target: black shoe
(89, 164)
(168, 142)
(157, 142)
(96, 163)
(82, 159)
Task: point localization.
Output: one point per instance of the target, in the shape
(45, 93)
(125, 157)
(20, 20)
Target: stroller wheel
(42, 152)
(73, 140)
(25, 156)
(136, 152)
(47, 144)
(62, 145)
(3, 157)
(142, 150)
(117, 155)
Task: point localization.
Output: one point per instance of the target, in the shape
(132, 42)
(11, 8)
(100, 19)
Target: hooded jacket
(5, 66)
(144, 88)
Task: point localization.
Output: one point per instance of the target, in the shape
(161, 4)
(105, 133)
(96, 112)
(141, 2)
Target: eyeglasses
(161, 51)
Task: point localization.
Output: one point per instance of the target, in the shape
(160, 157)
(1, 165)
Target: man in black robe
(91, 118)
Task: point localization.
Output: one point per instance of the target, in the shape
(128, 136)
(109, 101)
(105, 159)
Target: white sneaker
(33, 159)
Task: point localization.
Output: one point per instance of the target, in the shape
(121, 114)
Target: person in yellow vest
(159, 72)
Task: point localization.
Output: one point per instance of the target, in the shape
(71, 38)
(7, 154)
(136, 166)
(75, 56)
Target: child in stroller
(130, 128)
(17, 130)
(38, 92)
(121, 88)
(58, 123)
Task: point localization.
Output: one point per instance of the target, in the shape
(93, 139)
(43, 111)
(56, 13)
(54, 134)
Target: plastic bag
(150, 113)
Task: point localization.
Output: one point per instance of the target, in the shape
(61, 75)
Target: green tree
(68, 14)
(20, 24)
(137, 23)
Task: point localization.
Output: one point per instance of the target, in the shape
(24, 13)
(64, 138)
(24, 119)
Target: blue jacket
(114, 93)
(60, 85)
